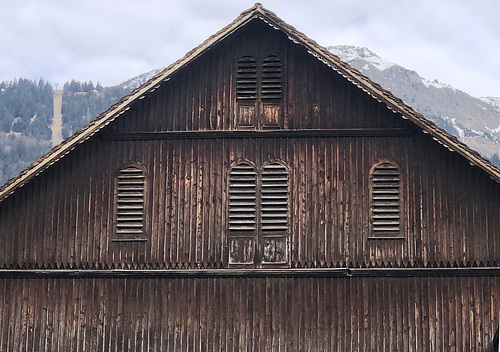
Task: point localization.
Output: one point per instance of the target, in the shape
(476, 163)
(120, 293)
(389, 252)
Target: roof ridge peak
(321, 53)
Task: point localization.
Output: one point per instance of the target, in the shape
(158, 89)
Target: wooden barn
(257, 195)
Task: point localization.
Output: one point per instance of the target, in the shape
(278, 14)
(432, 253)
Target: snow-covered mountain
(475, 121)
(134, 82)
(493, 101)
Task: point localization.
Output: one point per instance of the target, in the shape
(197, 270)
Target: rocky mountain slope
(493, 101)
(475, 121)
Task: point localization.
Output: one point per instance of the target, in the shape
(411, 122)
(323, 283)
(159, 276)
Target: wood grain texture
(444, 217)
(68, 282)
(253, 314)
(185, 134)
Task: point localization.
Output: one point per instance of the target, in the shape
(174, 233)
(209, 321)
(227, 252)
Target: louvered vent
(274, 197)
(130, 202)
(246, 86)
(271, 78)
(385, 196)
(242, 197)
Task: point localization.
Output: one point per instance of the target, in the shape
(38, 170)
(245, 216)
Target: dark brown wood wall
(65, 216)
(449, 209)
(252, 314)
(202, 95)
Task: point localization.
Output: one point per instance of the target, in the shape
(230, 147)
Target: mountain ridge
(475, 121)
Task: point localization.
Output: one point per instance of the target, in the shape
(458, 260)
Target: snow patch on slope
(351, 53)
(435, 83)
(136, 81)
(493, 101)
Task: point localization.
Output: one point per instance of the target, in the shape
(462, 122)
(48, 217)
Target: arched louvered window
(259, 91)
(271, 78)
(242, 213)
(274, 195)
(274, 213)
(129, 215)
(246, 79)
(258, 214)
(385, 199)
(242, 197)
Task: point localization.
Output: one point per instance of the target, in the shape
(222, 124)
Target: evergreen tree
(84, 101)
(26, 112)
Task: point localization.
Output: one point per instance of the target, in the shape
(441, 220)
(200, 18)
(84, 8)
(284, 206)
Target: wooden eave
(319, 52)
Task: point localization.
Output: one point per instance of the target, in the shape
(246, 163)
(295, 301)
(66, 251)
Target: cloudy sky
(109, 41)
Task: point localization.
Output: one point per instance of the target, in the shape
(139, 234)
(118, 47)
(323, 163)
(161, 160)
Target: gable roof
(322, 54)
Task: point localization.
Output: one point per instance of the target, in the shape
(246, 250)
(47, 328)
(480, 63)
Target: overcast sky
(109, 41)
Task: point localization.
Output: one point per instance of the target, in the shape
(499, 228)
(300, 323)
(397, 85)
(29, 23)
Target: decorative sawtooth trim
(339, 272)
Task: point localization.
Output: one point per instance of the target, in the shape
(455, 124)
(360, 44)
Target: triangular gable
(313, 48)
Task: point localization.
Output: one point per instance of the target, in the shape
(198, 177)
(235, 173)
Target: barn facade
(260, 195)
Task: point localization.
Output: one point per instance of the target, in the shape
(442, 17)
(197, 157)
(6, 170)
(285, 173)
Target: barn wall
(65, 216)
(202, 95)
(449, 209)
(254, 314)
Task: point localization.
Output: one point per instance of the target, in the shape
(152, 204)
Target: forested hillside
(83, 101)
(26, 110)
(26, 114)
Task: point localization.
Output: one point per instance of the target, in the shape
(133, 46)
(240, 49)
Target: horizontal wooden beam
(342, 132)
(203, 273)
(129, 240)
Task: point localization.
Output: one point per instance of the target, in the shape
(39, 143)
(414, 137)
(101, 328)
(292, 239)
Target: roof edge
(383, 95)
(318, 51)
(105, 118)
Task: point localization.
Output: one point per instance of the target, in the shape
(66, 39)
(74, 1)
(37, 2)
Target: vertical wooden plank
(220, 202)
(193, 204)
(314, 204)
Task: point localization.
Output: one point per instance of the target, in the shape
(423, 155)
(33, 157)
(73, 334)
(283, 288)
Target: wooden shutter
(242, 214)
(242, 197)
(274, 214)
(274, 194)
(130, 203)
(271, 78)
(385, 199)
(258, 215)
(246, 79)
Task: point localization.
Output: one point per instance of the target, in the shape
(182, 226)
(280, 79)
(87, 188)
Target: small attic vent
(271, 78)
(385, 199)
(246, 85)
(274, 197)
(130, 203)
(242, 197)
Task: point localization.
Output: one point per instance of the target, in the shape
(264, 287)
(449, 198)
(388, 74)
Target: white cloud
(455, 41)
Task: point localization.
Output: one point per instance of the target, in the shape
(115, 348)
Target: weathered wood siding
(64, 218)
(449, 209)
(202, 95)
(249, 314)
